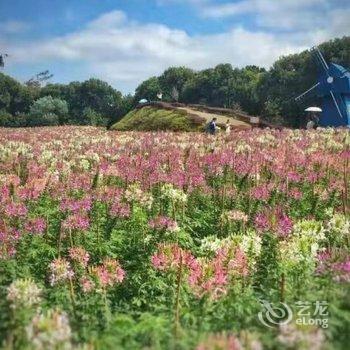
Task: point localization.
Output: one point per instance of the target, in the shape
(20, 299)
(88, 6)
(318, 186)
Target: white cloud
(296, 15)
(125, 52)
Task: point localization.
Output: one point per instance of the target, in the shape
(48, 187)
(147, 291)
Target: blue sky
(125, 42)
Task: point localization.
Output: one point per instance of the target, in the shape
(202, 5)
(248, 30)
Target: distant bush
(91, 117)
(12, 121)
(48, 111)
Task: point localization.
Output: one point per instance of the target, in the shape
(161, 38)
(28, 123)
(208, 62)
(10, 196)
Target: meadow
(136, 240)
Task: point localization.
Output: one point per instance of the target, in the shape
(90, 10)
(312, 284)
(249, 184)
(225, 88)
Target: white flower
(177, 195)
(211, 244)
(23, 293)
(251, 243)
(50, 331)
(309, 228)
(339, 225)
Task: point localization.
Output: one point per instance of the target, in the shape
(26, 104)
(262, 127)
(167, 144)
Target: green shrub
(48, 111)
(12, 121)
(153, 119)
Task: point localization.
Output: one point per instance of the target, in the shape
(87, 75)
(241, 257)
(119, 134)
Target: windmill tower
(333, 87)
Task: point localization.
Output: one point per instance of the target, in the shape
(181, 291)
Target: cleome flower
(35, 226)
(234, 215)
(79, 255)
(163, 223)
(170, 192)
(108, 273)
(50, 331)
(76, 222)
(274, 220)
(60, 271)
(23, 293)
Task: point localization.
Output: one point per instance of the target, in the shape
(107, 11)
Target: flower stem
(177, 301)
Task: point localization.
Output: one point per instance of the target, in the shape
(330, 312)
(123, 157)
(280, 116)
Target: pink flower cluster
(214, 277)
(76, 205)
(222, 342)
(35, 226)
(79, 255)
(8, 240)
(275, 221)
(332, 264)
(120, 209)
(262, 192)
(170, 256)
(76, 222)
(60, 271)
(163, 223)
(109, 273)
(16, 210)
(206, 277)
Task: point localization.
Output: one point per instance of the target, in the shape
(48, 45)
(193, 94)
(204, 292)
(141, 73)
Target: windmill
(333, 87)
(2, 59)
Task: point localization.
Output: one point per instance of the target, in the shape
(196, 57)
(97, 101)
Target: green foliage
(91, 117)
(48, 111)
(148, 90)
(14, 97)
(8, 120)
(172, 82)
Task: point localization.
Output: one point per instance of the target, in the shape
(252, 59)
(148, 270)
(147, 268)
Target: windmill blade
(306, 92)
(336, 104)
(321, 59)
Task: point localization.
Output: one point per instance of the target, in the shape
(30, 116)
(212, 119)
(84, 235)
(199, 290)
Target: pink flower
(15, 210)
(79, 255)
(76, 222)
(86, 284)
(163, 223)
(76, 205)
(210, 277)
(60, 271)
(119, 209)
(109, 273)
(261, 192)
(295, 193)
(8, 240)
(169, 256)
(275, 221)
(284, 225)
(261, 222)
(336, 266)
(35, 226)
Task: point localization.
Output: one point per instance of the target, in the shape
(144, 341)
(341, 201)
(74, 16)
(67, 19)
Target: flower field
(116, 240)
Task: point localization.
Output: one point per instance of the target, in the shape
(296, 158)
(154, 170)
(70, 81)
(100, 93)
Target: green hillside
(151, 119)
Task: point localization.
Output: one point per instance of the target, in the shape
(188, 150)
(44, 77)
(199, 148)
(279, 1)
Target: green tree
(174, 79)
(48, 111)
(148, 89)
(14, 97)
(96, 95)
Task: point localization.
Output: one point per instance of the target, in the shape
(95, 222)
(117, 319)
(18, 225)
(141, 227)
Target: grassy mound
(152, 119)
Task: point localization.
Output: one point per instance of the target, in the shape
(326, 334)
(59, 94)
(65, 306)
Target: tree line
(255, 90)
